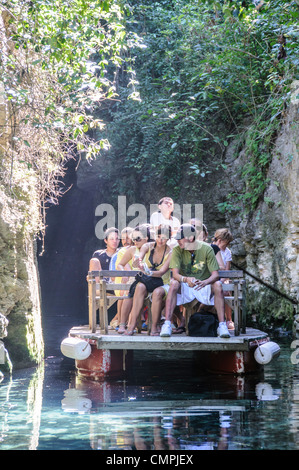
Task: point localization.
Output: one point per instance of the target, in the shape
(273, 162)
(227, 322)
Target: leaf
(76, 132)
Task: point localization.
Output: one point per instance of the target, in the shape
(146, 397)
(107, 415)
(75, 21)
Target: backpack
(203, 324)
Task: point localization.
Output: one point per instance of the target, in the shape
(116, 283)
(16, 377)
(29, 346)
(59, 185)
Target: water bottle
(146, 269)
(135, 259)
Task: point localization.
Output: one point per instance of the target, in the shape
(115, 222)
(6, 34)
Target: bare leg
(138, 301)
(228, 316)
(125, 312)
(217, 290)
(119, 306)
(95, 265)
(171, 299)
(180, 316)
(219, 300)
(115, 320)
(157, 305)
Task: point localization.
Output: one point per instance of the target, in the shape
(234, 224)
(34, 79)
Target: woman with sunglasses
(156, 257)
(140, 236)
(126, 241)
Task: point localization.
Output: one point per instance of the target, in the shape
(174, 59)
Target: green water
(165, 404)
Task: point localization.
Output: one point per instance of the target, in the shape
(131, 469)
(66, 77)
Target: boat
(99, 352)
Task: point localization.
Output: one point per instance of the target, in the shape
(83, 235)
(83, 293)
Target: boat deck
(174, 408)
(113, 340)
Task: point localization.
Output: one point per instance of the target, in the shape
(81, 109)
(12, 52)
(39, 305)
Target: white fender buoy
(266, 352)
(264, 392)
(75, 348)
(76, 401)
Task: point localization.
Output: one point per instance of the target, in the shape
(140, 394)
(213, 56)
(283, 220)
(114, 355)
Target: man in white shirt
(164, 215)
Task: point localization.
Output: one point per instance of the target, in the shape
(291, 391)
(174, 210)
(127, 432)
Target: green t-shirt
(204, 261)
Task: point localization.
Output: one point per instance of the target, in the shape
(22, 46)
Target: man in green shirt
(194, 276)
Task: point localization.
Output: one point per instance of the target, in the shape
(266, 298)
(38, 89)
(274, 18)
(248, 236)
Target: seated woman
(126, 241)
(140, 236)
(156, 256)
(202, 234)
(222, 239)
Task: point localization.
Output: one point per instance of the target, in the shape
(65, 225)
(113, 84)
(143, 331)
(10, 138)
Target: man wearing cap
(194, 276)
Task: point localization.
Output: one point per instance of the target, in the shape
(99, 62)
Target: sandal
(129, 333)
(122, 328)
(230, 325)
(179, 330)
(155, 333)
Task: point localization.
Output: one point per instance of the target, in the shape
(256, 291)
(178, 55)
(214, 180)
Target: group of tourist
(179, 266)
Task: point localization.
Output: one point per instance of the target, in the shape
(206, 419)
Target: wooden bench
(99, 298)
(237, 299)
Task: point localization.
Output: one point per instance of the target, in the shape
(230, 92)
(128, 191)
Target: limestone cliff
(267, 240)
(19, 216)
(19, 286)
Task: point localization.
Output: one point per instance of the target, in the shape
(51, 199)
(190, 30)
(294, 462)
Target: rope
(274, 289)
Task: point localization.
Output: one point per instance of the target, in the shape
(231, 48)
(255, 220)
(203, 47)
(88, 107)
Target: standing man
(164, 215)
(194, 276)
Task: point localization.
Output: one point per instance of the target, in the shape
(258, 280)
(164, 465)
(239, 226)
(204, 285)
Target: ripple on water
(165, 404)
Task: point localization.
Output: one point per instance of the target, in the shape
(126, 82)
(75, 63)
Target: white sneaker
(166, 329)
(222, 331)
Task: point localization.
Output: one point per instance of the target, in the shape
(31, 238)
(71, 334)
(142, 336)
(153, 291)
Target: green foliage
(269, 309)
(174, 81)
(206, 68)
(70, 44)
(58, 59)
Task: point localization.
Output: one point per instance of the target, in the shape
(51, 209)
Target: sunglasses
(192, 258)
(161, 237)
(137, 239)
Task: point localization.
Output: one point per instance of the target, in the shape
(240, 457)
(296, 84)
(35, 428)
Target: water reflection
(20, 410)
(161, 406)
(155, 425)
(127, 416)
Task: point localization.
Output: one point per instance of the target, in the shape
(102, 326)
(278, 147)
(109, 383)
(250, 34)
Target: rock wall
(19, 287)
(267, 240)
(19, 282)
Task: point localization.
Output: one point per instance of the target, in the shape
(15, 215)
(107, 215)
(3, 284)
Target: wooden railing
(99, 298)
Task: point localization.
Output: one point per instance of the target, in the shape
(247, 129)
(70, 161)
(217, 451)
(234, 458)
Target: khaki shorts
(165, 287)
